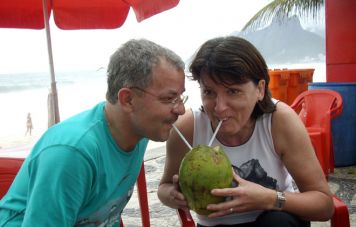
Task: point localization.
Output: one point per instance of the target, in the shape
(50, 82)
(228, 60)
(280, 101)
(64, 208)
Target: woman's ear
(261, 89)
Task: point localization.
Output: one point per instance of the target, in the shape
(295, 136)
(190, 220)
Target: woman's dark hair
(233, 60)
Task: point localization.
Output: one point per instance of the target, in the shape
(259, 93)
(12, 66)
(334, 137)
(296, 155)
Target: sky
(183, 29)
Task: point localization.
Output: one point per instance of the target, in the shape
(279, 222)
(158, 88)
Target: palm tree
(283, 8)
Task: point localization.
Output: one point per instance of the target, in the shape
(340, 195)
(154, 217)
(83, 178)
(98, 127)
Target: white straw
(181, 136)
(216, 131)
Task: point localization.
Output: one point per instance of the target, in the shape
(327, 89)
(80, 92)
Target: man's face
(158, 108)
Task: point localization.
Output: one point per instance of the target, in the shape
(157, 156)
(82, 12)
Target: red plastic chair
(142, 198)
(341, 214)
(8, 170)
(317, 108)
(10, 166)
(185, 218)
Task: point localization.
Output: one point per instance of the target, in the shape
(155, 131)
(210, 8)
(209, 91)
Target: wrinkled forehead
(223, 78)
(167, 78)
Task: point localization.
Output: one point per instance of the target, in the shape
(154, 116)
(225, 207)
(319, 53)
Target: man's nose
(179, 109)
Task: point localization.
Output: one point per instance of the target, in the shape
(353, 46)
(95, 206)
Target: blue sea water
(40, 80)
(28, 92)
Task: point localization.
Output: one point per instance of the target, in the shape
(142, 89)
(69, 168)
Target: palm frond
(279, 9)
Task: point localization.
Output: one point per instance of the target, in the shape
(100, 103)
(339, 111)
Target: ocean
(25, 93)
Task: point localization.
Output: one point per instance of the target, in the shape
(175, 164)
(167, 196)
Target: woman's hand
(247, 196)
(177, 199)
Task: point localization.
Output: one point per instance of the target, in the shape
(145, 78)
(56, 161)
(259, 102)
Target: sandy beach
(14, 141)
(20, 146)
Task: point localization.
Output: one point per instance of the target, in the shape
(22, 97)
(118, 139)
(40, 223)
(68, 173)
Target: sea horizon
(23, 93)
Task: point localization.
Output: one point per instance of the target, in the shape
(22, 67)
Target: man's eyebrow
(173, 92)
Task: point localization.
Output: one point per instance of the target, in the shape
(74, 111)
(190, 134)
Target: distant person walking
(29, 124)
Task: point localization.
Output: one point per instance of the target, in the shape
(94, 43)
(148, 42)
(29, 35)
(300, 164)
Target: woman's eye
(208, 93)
(232, 91)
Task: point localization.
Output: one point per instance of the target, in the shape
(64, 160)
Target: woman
(29, 125)
(280, 181)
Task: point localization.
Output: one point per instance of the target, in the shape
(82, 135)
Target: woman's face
(232, 103)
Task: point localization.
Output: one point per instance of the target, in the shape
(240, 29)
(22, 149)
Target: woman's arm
(292, 143)
(168, 190)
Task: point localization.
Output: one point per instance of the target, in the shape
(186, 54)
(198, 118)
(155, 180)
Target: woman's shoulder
(286, 126)
(186, 119)
(284, 120)
(284, 112)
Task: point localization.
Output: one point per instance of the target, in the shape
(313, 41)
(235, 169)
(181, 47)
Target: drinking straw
(181, 136)
(216, 131)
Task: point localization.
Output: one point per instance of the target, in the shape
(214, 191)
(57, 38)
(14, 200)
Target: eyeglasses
(170, 101)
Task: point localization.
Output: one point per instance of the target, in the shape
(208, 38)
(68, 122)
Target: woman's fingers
(223, 192)
(176, 196)
(237, 178)
(175, 179)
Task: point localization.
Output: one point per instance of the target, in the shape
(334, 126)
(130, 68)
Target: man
(83, 170)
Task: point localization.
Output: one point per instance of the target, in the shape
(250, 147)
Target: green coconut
(202, 169)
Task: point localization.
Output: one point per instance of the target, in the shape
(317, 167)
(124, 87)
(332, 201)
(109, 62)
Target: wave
(30, 81)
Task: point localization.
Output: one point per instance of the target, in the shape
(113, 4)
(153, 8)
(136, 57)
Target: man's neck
(120, 128)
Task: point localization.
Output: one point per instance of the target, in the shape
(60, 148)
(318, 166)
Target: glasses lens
(183, 98)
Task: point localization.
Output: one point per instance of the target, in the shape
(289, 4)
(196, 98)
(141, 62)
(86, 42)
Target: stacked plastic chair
(317, 108)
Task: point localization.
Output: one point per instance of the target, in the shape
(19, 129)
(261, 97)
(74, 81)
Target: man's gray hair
(131, 65)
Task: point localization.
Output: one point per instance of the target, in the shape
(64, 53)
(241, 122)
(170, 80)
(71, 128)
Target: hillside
(287, 42)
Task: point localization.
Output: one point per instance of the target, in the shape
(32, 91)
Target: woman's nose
(220, 104)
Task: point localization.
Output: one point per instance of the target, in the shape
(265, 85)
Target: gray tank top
(256, 161)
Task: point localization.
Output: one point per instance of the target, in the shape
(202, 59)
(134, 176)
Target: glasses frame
(175, 102)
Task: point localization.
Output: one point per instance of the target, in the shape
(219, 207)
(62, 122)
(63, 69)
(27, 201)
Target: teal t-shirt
(76, 175)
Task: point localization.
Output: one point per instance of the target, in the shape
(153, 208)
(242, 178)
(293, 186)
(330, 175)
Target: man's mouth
(172, 121)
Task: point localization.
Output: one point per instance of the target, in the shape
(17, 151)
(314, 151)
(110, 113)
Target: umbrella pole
(53, 105)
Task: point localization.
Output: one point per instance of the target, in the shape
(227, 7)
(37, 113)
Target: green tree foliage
(279, 9)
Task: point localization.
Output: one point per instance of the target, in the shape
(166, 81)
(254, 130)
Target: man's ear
(124, 97)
